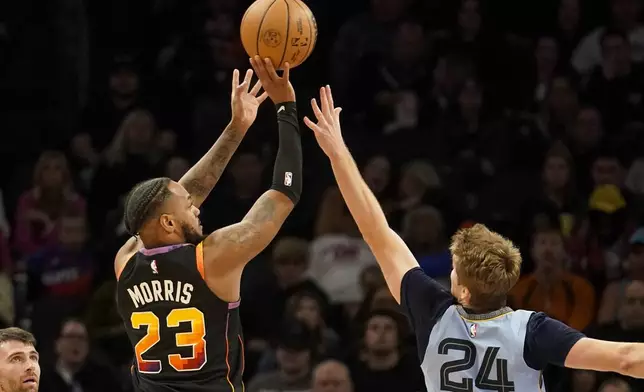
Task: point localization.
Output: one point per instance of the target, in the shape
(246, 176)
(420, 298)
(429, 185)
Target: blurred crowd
(526, 116)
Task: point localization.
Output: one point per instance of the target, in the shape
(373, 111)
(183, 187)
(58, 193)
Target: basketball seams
(286, 37)
(259, 27)
(312, 39)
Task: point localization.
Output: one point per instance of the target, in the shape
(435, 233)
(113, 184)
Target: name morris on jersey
(159, 291)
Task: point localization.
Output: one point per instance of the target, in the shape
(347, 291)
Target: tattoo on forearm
(203, 176)
(247, 232)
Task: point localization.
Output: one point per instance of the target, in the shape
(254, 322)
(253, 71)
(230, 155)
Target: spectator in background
(597, 246)
(267, 297)
(419, 184)
(555, 204)
(246, 168)
(568, 28)
(424, 233)
(73, 369)
(333, 216)
(625, 17)
(128, 160)
(628, 326)
(295, 355)
(176, 167)
(39, 208)
(615, 292)
(551, 288)
(382, 362)
(61, 278)
(616, 86)
(310, 309)
(584, 139)
(331, 376)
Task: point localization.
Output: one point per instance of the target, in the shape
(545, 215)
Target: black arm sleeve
(287, 172)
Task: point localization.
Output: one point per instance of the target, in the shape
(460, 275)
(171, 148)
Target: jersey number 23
(194, 339)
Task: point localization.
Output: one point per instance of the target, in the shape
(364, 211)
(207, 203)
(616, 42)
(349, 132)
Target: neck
(68, 367)
(383, 362)
(548, 277)
(556, 195)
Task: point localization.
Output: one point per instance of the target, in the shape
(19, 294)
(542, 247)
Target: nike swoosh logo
(281, 109)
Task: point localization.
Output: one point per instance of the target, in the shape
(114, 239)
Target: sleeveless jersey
(469, 353)
(185, 338)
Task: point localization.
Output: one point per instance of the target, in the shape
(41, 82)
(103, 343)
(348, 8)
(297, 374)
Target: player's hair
(14, 334)
(143, 201)
(487, 263)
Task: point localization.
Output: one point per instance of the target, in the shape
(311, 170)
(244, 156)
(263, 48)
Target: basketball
(282, 30)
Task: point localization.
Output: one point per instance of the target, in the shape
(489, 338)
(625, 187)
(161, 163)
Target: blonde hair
(487, 263)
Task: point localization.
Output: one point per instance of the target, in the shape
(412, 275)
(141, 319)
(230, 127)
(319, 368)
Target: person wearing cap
(295, 354)
(595, 248)
(633, 267)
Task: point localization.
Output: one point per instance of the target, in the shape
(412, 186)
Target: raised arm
(227, 250)
(394, 257)
(203, 176)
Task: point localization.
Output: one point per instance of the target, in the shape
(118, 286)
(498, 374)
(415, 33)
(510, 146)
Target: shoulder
(580, 282)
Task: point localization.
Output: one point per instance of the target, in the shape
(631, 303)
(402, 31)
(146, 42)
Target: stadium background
(526, 116)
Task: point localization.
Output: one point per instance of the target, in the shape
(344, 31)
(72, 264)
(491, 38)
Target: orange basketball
(282, 30)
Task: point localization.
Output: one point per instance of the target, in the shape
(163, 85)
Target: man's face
(72, 345)
(19, 368)
(381, 335)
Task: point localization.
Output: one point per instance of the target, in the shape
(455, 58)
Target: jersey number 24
(194, 339)
(483, 381)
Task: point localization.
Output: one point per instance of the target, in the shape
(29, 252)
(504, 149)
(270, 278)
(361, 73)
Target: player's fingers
(317, 111)
(242, 88)
(329, 96)
(260, 69)
(235, 79)
(248, 77)
(270, 69)
(325, 104)
(262, 97)
(313, 126)
(336, 112)
(256, 88)
(287, 71)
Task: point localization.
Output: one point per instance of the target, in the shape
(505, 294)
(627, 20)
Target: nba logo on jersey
(153, 265)
(288, 178)
(473, 330)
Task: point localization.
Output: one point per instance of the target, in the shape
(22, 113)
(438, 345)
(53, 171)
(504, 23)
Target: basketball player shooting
(468, 339)
(178, 290)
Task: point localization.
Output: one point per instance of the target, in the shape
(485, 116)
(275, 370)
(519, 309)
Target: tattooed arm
(229, 249)
(203, 176)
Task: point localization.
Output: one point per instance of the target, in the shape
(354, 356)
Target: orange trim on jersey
(232, 387)
(243, 358)
(200, 260)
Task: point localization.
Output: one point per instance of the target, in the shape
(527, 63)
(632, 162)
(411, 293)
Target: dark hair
(143, 201)
(14, 334)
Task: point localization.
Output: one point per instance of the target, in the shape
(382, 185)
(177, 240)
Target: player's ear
(168, 223)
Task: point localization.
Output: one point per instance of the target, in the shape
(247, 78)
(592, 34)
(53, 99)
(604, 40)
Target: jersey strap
(200, 260)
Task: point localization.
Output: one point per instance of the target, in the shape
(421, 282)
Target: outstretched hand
(327, 130)
(279, 88)
(244, 103)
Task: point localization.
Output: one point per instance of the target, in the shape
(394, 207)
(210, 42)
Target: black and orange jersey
(185, 338)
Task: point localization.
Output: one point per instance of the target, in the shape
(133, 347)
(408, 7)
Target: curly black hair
(143, 201)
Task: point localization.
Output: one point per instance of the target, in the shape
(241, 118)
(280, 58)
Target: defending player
(178, 290)
(19, 368)
(467, 339)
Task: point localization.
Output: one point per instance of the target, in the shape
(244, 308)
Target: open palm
(244, 103)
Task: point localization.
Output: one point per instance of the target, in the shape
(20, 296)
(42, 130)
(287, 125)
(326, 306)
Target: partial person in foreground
(19, 367)
(467, 339)
(178, 289)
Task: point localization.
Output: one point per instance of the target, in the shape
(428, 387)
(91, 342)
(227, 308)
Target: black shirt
(185, 338)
